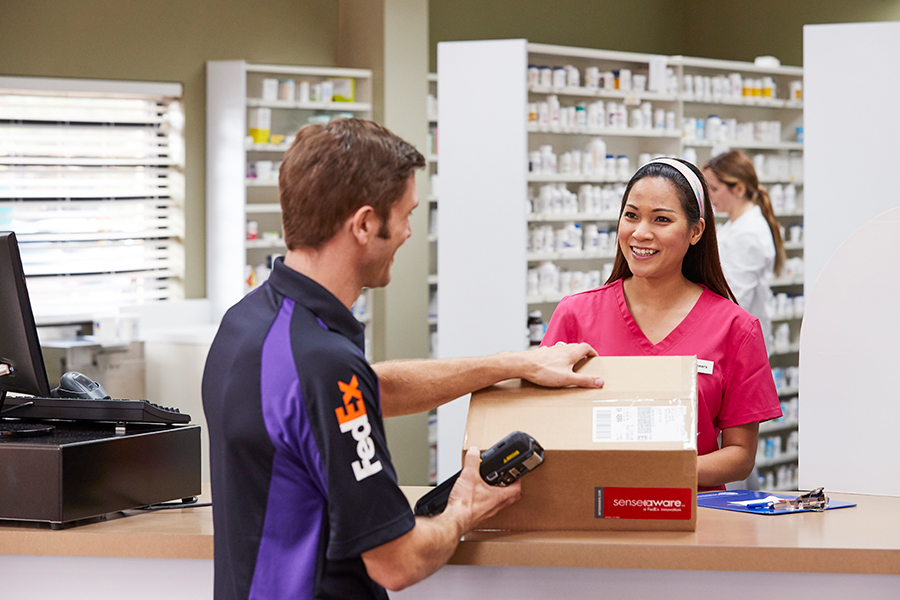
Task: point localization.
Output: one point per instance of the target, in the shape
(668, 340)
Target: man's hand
(472, 500)
(553, 366)
(417, 554)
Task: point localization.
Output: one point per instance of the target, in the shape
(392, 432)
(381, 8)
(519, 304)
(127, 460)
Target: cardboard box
(623, 457)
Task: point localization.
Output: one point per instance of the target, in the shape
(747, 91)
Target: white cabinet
(243, 212)
(499, 194)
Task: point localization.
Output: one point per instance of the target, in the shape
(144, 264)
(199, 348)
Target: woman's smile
(643, 252)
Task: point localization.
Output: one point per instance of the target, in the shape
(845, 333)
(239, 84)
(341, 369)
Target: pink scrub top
(739, 390)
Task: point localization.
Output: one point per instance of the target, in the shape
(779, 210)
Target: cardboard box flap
(646, 403)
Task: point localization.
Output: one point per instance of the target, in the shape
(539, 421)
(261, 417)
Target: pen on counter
(767, 504)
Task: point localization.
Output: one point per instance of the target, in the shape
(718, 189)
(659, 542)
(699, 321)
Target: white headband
(688, 174)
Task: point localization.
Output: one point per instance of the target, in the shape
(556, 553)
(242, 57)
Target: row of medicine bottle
(556, 199)
(549, 279)
(338, 89)
(603, 201)
(775, 167)
(572, 238)
(787, 378)
(728, 131)
(782, 478)
(784, 201)
(550, 115)
(735, 89)
(732, 88)
(768, 448)
(793, 269)
(592, 163)
(772, 446)
(543, 77)
(785, 306)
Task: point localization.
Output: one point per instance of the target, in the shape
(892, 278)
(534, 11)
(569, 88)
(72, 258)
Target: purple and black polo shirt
(302, 480)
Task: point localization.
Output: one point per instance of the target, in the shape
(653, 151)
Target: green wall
(726, 29)
(652, 26)
(744, 30)
(166, 40)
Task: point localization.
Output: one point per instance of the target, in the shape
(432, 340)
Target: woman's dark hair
(701, 262)
(735, 167)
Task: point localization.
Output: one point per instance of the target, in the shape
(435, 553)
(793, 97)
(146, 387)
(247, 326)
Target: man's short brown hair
(333, 170)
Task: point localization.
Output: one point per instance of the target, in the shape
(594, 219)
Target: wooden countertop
(860, 539)
(170, 533)
(864, 539)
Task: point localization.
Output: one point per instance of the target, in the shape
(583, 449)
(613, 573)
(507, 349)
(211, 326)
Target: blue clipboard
(749, 501)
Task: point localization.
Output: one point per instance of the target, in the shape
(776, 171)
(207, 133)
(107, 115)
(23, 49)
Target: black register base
(84, 470)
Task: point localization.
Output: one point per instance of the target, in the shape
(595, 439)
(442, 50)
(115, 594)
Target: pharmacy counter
(861, 539)
(840, 552)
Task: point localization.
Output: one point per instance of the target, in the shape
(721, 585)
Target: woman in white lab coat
(750, 246)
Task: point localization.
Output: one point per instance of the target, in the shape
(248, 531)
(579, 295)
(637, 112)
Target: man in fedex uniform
(305, 498)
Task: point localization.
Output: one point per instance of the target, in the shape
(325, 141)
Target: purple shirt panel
(297, 496)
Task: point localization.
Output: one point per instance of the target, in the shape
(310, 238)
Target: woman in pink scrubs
(667, 296)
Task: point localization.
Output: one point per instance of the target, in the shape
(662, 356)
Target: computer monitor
(20, 351)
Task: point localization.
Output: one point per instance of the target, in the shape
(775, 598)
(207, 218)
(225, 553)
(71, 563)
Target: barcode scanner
(502, 464)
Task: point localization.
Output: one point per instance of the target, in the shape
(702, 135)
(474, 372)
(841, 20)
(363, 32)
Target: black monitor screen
(19, 347)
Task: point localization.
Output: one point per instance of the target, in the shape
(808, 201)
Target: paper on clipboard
(750, 501)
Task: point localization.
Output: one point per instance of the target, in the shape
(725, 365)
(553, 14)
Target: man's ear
(363, 225)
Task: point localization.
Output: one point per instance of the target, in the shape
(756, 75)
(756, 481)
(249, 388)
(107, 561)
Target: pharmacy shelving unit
(486, 138)
(233, 198)
(782, 166)
(432, 157)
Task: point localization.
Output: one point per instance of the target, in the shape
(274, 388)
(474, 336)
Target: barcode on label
(644, 423)
(602, 424)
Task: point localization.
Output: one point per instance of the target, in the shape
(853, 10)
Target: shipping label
(639, 424)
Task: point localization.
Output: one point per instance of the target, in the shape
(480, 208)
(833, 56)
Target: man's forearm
(414, 556)
(413, 386)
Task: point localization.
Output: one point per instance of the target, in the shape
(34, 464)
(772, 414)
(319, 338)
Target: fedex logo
(352, 418)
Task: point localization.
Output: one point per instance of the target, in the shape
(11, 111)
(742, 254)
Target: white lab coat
(747, 253)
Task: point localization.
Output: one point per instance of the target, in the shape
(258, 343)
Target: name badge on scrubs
(705, 366)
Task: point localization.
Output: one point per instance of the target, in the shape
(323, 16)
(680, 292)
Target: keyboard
(80, 409)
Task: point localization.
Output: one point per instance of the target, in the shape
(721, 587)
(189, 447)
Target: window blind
(92, 182)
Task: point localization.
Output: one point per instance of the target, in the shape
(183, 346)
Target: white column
(482, 229)
(849, 348)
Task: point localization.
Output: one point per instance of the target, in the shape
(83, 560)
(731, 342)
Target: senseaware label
(639, 424)
(642, 503)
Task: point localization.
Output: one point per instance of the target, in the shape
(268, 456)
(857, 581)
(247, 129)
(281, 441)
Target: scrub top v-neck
(680, 331)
